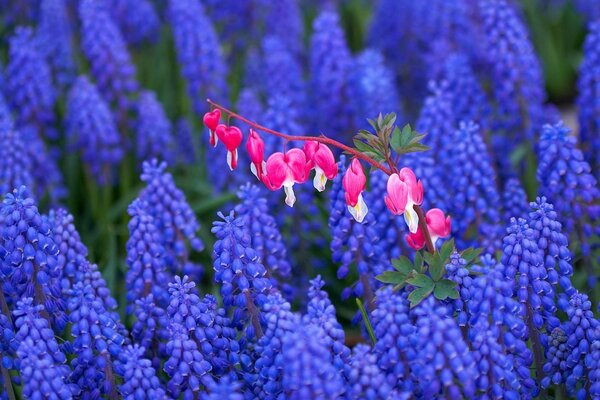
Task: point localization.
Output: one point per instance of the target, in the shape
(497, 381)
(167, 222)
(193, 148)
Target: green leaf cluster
(388, 142)
(426, 274)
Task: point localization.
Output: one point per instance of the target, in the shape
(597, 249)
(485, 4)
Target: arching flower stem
(325, 140)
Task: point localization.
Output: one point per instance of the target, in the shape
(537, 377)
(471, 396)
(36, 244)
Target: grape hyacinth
(154, 134)
(437, 117)
(307, 366)
(514, 200)
(29, 256)
(137, 20)
(198, 52)
(372, 87)
(139, 377)
(588, 84)
(15, 165)
(264, 233)
(366, 380)
(515, 74)
(321, 313)
(472, 186)
(200, 335)
(97, 343)
(239, 270)
(42, 364)
(106, 51)
(150, 328)
(186, 142)
(172, 214)
(147, 269)
(29, 83)
(92, 129)
(330, 64)
(55, 36)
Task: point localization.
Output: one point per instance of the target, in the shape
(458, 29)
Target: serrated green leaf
(418, 261)
(446, 250)
(402, 265)
(417, 295)
(445, 289)
(420, 280)
(470, 254)
(436, 267)
(392, 277)
(362, 146)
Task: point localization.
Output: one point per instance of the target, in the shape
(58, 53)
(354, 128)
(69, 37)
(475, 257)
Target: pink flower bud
(404, 192)
(256, 150)
(211, 120)
(415, 240)
(286, 170)
(231, 136)
(354, 184)
(320, 157)
(438, 226)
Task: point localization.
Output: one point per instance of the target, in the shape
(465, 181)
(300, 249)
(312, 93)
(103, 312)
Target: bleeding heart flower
(286, 170)
(256, 149)
(438, 226)
(354, 184)
(403, 192)
(231, 136)
(320, 157)
(211, 121)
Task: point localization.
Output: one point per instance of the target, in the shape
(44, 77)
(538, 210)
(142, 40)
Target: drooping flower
(106, 51)
(211, 121)
(92, 129)
(354, 184)
(354, 244)
(321, 159)
(403, 193)
(198, 52)
(256, 150)
(29, 83)
(231, 137)
(438, 226)
(284, 170)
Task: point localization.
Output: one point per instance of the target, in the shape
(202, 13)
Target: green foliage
(365, 317)
(427, 273)
(388, 139)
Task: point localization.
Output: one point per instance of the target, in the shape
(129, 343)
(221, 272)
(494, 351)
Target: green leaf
(391, 277)
(417, 295)
(445, 289)
(420, 280)
(402, 265)
(470, 254)
(419, 261)
(365, 316)
(436, 267)
(362, 146)
(447, 250)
